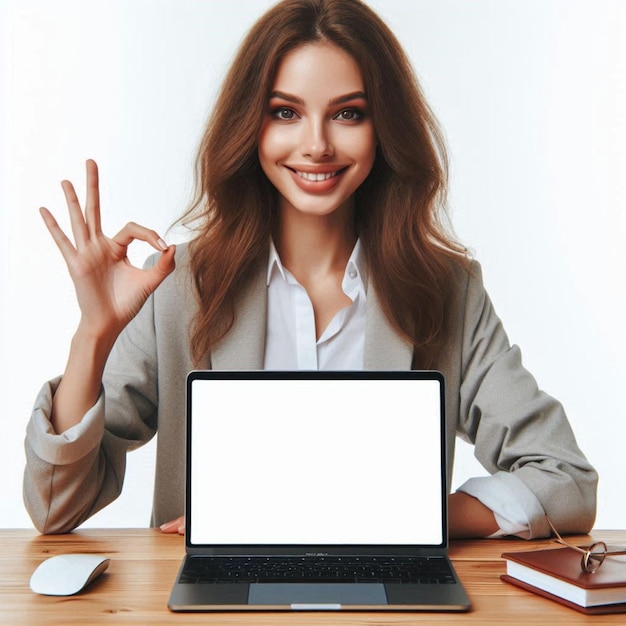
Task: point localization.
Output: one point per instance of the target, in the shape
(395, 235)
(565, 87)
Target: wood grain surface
(144, 564)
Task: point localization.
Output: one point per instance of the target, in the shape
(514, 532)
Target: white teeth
(315, 177)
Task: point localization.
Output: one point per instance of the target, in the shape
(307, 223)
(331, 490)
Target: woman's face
(317, 143)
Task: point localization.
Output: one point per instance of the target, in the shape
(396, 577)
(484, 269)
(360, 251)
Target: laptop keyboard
(421, 570)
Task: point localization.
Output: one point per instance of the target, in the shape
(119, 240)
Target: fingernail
(162, 245)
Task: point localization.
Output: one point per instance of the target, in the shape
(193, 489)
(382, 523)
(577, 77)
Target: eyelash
(357, 114)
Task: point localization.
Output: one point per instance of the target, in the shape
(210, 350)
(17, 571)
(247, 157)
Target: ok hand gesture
(109, 289)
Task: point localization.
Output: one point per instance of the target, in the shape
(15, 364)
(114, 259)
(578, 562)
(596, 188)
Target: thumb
(163, 267)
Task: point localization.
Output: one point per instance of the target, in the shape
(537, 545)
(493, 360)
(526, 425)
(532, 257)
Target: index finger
(133, 231)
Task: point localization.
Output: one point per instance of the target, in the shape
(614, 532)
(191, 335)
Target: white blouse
(291, 343)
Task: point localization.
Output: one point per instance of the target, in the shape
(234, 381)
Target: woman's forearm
(80, 386)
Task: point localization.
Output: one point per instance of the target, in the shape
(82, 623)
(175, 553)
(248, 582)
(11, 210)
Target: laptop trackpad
(317, 594)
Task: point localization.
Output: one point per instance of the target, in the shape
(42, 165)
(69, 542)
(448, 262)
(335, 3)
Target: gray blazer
(521, 435)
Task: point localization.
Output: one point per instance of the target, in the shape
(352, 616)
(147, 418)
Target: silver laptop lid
(315, 462)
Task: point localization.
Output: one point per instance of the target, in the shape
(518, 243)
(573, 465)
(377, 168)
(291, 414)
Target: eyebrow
(355, 95)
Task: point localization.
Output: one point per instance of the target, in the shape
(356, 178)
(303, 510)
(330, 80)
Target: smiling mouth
(318, 177)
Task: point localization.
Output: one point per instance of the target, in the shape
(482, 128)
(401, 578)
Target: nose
(316, 142)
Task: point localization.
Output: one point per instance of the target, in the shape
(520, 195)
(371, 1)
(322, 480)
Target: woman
(319, 243)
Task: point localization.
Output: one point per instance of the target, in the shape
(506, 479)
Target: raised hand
(109, 289)
(110, 292)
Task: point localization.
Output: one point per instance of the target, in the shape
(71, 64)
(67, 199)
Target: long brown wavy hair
(400, 208)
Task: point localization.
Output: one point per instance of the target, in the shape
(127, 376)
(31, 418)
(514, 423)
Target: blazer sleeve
(71, 476)
(521, 435)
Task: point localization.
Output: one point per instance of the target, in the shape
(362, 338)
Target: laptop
(316, 491)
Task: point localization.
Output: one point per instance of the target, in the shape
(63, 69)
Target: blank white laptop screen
(316, 462)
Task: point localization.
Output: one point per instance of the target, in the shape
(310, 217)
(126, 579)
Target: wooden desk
(145, 562)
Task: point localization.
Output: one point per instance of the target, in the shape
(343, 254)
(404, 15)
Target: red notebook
(556, 574)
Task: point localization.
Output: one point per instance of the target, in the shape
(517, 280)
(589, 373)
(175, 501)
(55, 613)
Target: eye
(350, 115)
(283, 113)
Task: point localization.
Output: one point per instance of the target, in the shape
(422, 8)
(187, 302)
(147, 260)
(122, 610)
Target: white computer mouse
(67, 574)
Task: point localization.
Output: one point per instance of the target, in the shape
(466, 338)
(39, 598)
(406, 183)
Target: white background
(531, 95)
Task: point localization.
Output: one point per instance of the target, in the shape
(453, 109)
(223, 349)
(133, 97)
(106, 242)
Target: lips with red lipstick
(317, 180)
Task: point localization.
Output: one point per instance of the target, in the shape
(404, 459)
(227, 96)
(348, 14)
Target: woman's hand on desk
(175, 526)
(469, 517)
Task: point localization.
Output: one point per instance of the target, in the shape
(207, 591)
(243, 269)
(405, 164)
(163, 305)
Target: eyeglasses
(592, 556)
